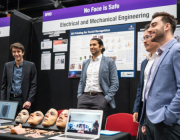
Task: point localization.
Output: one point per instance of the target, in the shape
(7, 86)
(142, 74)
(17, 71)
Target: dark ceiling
(34, 8)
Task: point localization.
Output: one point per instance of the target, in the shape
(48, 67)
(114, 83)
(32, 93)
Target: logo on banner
(131, 27)
(48, 14)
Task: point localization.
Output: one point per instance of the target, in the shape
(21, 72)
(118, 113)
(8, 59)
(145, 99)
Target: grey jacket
(108, 79)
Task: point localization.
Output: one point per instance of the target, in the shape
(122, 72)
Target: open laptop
(82, 124)
(7, 111)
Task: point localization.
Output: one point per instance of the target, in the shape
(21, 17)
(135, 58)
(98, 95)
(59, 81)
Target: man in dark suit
(99, 81)
(151, 47)
(19, 82)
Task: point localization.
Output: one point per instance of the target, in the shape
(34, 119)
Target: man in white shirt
(99, 81)
(151, 47)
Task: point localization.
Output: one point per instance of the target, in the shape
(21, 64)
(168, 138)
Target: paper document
(59, 62)
(45, 61)
(60, 45)
(46, 45)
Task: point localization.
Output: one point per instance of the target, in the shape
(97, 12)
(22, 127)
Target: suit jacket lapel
(101, 68)
(143, 68)
(23, 70)
(11, 70)
(85, 69)
(160, 60)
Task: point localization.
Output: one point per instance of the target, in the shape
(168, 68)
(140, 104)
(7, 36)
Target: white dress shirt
(147, 69)
(92, 75)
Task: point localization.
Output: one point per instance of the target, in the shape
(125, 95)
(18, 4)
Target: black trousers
(20, 105)
(141, 136)
(162, 131)
(96, 102)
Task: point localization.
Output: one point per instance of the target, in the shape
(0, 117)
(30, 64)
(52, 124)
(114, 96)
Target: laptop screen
(84, 122)
(8, 109)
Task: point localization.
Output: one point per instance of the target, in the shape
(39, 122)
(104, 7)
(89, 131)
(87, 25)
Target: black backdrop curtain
(4, 54)
(20, 31)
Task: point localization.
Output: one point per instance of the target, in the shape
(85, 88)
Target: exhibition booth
(58, 43)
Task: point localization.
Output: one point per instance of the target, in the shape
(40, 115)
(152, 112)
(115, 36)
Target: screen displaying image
(8, 109)
(84, 123)
(4, 110)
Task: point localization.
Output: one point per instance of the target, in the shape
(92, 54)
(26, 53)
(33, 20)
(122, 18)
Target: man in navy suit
(151, 47)
(99, 81)
(161, 107)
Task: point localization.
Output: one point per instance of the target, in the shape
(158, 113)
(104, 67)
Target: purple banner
(104, 7)
(5, 22)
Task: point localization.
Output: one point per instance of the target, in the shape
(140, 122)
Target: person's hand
(27, 105)
(135, 117)
(143, 129)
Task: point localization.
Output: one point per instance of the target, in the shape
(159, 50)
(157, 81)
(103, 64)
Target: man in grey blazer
(161, 107)
(99, 81)
(19, 82)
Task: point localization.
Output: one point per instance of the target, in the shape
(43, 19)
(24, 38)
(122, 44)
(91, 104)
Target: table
(8, 136)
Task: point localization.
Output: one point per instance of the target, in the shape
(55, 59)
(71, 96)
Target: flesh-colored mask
(35, 118)
(62, 119)
(50, 117)
(22, 116)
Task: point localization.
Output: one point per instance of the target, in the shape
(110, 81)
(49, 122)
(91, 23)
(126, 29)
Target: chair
(122, 122)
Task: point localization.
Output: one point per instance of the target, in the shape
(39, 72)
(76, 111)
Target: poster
(118, 41)
(141, 51)
(60, 45)
(46, 61)
(177, 33)
(46, 44)
(59, 62)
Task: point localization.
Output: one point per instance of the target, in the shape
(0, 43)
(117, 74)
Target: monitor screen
(8, 109)
(84, 122)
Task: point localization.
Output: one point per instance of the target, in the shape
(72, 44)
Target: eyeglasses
(146, 38)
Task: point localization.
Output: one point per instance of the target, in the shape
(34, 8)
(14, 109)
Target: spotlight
(57, 4)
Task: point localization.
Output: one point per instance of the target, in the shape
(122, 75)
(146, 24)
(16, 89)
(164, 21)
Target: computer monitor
(8, 110)
(84, 121)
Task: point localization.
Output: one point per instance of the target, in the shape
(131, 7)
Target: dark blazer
(28, 83)
(108, 79)
(138, 104)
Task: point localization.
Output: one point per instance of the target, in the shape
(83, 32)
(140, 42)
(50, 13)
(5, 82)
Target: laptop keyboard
(77, 137)
(4, 121)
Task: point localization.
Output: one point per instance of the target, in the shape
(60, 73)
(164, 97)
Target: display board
(100, 15)
(4, 42)
(177, 33)
(4, 26)
(119, 42)
(105, 13)
(141, 51)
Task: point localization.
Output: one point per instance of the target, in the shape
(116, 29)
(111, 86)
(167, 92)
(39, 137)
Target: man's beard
(159, 35)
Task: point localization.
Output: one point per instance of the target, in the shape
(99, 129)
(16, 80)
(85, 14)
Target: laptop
(7, 111)
(82, 124)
